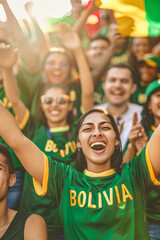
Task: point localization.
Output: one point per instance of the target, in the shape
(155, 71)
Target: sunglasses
(60, 100)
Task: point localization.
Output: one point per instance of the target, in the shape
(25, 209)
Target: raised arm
(25, 47)
(8, 58)
(41, 41)
(71, 41)
(137, 140)
(79, 25)
(154, 151)
(104, 61)
(31, 157)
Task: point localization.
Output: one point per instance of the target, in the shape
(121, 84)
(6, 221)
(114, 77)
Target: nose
(97, 132)
(117, 83)
(54, 102)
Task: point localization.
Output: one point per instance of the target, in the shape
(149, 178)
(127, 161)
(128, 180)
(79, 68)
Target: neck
(56, 125)
(117, 110)
(99, 168)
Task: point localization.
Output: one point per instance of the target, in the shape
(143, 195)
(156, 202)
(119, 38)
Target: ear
(12, 180)
(70, 106)
(116, 143)
(134, 87)
(79, 144)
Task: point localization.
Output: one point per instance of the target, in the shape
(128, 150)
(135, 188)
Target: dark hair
(123, 65)
(69, 57)
(5, 151)
(100, 37)
(147, 116)
(116, 159)
(40, 114)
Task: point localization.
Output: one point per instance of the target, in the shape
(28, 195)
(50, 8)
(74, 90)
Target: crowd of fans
(49, 79)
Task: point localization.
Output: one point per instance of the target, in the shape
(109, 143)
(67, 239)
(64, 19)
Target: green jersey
(59, 144)
(139, 96)
(100, 206)
(15, 230)
(4, 101)
(153, 196)
(31, 87)
(99, 94)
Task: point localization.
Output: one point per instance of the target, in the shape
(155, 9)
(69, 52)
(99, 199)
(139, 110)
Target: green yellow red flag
(136, 18)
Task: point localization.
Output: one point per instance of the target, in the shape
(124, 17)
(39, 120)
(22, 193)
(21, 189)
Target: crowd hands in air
(79, 140)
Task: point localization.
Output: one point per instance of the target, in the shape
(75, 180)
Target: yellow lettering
(117, 194)
(66, 148)
(72, 146)
(62, 153)
(73, 198)
(49, 146)
(125, 193)
(55, 149)
(99, 200)
(109, 201)
(90, 205)
(82, 203)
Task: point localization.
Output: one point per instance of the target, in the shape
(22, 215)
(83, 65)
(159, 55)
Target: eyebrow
(2, 165)
(101, 123)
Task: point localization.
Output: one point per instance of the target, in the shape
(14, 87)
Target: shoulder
(35, 228)
(135, 107)
(102, 106)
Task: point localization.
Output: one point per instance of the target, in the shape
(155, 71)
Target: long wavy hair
(116, 159)
(147, 116)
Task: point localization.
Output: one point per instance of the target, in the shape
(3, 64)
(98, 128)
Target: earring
(78, 148)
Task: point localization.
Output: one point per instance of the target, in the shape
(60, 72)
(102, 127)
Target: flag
(136, 18)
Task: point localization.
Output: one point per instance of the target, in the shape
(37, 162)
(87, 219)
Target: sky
(55, 8)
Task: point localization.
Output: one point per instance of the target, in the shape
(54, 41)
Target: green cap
(153, 86)
(151, 60)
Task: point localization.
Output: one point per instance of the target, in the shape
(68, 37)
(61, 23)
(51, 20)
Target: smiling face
(154, 106)
(57, 68)
(147, 73)
(140, 46)
(97, 139)
(118, 86)
(6, 180)
(55, 105)
(96, 50)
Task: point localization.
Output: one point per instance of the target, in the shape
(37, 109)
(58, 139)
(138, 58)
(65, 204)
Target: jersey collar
(102, 174)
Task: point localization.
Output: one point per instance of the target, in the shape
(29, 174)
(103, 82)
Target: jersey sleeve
(142, 170)
(55, 174)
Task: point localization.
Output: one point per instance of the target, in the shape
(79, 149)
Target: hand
(156, 50)
(137, 135)
(116, 40)
(94, 6)
(69, 38)
(8, 56)
(28, 6)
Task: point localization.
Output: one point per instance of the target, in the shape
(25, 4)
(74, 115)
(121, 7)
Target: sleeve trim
(41, 190)
(150, 168)
(24, 121)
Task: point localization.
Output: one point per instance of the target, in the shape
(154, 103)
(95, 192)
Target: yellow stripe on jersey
(24, 121)
(42, 189)
(150, 169)
(59, 129)
(102, 174)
